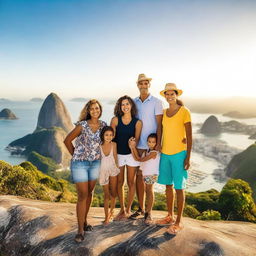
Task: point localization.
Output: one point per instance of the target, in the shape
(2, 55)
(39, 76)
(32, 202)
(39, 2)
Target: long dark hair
(118, 111)
(85, 113)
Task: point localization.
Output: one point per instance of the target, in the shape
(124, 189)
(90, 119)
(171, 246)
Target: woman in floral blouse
(85, 161)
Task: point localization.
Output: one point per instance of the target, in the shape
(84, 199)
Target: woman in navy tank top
(126, 125)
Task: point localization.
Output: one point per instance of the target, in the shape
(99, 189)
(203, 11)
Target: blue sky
(98, 48)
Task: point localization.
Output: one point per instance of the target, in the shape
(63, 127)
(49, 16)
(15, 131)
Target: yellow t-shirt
(174, 131)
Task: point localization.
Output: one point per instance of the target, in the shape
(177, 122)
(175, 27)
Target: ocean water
(27, 112)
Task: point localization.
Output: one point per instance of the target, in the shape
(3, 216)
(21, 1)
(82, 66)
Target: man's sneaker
(136, 215)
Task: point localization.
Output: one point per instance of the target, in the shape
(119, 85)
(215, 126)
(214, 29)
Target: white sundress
(107, 167)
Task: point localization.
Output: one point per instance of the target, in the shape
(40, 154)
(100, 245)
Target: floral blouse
(87, 145)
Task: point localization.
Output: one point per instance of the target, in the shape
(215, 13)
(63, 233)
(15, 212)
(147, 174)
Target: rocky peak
(7, 114)
(211, 126)
(54, 113)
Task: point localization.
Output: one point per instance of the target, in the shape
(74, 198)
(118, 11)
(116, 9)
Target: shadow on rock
(210, 249)
(138, 242)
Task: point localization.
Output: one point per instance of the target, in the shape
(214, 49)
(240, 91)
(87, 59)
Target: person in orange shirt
(175, 157)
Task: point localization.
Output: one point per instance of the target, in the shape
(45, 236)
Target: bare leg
(120, 191)
(180, 204)
(113, 193)
(149, 197)
(170, 207)
(91, 186)
(131, 175)
(82, 192)
(140, 188)
(106, 203)
(170, 200)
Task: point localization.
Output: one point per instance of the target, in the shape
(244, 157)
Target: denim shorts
(84, 171)
(171, 170)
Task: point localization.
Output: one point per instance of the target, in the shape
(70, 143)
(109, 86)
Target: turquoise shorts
(171, 170)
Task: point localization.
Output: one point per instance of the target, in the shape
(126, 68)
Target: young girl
(108, 171)
(150, 169)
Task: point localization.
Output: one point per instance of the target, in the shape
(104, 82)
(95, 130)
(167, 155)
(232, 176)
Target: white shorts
(127, 160)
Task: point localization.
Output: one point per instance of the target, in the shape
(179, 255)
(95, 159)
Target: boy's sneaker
(136, 214)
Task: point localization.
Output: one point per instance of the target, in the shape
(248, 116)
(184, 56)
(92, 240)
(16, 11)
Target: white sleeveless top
(150, 167)
(107, 167)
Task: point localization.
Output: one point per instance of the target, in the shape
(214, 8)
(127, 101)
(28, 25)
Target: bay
(28, 111)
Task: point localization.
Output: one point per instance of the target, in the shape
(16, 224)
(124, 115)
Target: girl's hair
(179, 102)
(105, 129)
(118, 111)
(85, 113)
(152, 135)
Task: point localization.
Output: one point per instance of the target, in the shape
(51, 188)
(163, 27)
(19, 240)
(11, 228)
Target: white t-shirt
(150, 167)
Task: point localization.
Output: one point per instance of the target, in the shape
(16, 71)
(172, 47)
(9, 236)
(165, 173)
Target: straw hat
(143, 77)
(171, 86)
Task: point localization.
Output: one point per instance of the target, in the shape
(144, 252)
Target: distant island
(79, 99)
(7, 114)
(3, 100)
(237, 114)
(245, 106)
(37, 100)
(213, 127)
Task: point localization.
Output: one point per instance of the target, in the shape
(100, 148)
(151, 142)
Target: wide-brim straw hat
(143, 77)
(171, 86)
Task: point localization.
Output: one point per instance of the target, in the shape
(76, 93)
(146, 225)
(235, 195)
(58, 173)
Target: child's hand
(132, 142)
(153, 155)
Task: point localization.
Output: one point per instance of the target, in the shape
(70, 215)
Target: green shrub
(51, 183)
(209, 215)
(203, 201)
(5, 169)
(236, 202)
(18, 182)
(191, 211)
(28, 166)
(25, 180)
(44, 164)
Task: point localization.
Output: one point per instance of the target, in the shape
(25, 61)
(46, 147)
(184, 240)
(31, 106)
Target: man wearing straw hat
(150, 112)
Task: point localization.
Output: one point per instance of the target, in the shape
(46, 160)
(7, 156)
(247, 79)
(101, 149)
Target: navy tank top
(123, 134)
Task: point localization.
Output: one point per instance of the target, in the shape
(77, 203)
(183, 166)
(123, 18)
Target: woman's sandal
(88, 227)
(79, 238)
(174, 229)
(166, 221)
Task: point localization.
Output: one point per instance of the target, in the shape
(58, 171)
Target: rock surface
(30, 227)
(53, 124)
(243, 166)
(7, 114)
(211, 126)
(53, 113)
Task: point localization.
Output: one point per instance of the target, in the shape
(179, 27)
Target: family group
(144, 141)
